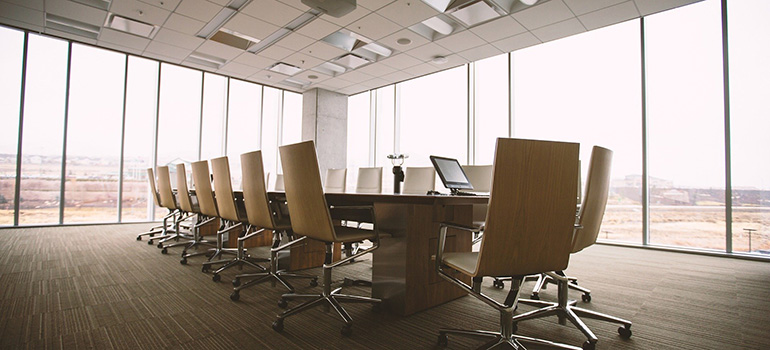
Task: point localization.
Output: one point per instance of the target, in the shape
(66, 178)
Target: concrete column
(325, 121)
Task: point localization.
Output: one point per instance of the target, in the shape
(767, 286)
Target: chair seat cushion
(350, 234)
(463, 262)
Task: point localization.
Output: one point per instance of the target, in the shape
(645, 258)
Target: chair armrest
(474, 229)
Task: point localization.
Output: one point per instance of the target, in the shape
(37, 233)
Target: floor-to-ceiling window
(749, 55)
(359, 107)
(11, 60)
(244, 120)
(490, 106)
(685, 121)
(272, 105)
(214, 116)
(384, 139)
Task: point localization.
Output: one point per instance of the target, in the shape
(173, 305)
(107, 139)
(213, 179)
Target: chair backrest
(151, 179)
(369, 180)
(223, 188)
(480, 176)
(279, 187)
(202, 183)
(304, 193)
(419, 180)
(164, 188)
(531, 213)
(595, 199)
(335, 180)
(254, 191)
(182, 193)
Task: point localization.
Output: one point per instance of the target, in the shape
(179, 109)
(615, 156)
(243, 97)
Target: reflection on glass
(141, 99)
(358, 136)
(10, 92)
(243, 130)
(586, 89)
(43, 130)
(749, 123)
(686, 127)
(180, 112)
(491, 104)
(385, 145)
(214, 121)
(95, 118)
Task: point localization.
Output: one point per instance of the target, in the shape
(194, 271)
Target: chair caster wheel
(149, 242)
(205, 268)
(589, 345)
(534, 296)
(586, 298)
(152, 235)
(160, 245)
(278, 325)
(236, 282)
(235, 296)
(184, 252)
(625, 332)
(138, 238)
(346, 331)
(183, 261)
(498, 284)
(443, 340)
(283, 304)
(314, 282)
(216, 278)
(164, 251)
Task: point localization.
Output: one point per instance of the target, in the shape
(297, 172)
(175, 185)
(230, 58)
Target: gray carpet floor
(97, 287)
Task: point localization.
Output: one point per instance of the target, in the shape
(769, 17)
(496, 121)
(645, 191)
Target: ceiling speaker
(334, 8)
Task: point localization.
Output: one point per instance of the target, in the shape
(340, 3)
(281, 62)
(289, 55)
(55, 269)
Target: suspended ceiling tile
(353, 89)
(460, 41)
(295, 41)
(351, 17)
(123, 39)
(167, 50)
(302, 61)
(323, 51)
(427, 52)
(337, 83)
(253, 60)
(377, 69)
(500, 28)
(276, 52)
(391, 41)
(397, 76)
(66, 35)
(250, 26)
(374, 27)
(175, 38)
(76, 11)
(241, 70)
(516, 42)
(168, 59)
(216, 49)
(355, 76)
(220, 2)
(648, 7)
(421, 69)
(26, 15)
(37, 5)
(544, 14)
(184, 24)
(297, 4)
(201, 10)
(120, 48)
(610, 15)
(169, 5)
(305, 75)
(481, 52)
(375, 83)
(581, 7)
(272, 11)
(268, 77)
(318, 29)
(452, 61)
(373, 5)
(407, 12)
(401, 61)
(140, 11)
(559, 30)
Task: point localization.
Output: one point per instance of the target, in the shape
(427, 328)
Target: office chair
(168, 200)
(528, 230)
(419, 180)
(233, 214)
(187, 206)
(263, 214)
(160, 229)
(335, 180)
(586, 230)
(480, 177)
(311, 216)
(369, 180)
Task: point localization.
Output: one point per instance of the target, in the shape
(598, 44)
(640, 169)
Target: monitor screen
(451, 173)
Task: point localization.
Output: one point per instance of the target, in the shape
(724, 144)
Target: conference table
(403, 267)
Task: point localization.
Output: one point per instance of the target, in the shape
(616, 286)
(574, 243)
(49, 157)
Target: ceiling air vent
(130, 26)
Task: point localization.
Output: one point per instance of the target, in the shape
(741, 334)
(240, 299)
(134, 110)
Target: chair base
(499, 341)
(278, 276)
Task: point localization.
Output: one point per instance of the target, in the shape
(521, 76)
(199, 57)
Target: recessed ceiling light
(130, 26)
(285, 68)
(439, 60)
(404, 41)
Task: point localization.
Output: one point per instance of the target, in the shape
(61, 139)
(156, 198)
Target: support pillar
(325, 121)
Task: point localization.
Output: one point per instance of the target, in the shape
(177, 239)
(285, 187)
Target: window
(749, 124)
(43, 130)
(180, 114)
(214, 112)
(359, 117)
(491, 106)
(11, 58)
(243, 133)
(139, 144)
(586, 88)
(686, 126)
(385, 119)
(95, 118)
(292, 118)
(271, 111)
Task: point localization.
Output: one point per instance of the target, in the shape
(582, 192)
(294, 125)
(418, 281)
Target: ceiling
(176, 27)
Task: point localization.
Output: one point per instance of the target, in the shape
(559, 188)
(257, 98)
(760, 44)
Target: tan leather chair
(233, 215)
(160, 229)
(335, 180)
(369, 180)
(480, 177)
(189, 207)
(266, 216)
(208, 207)
(310, 216)
(586, 231)
(531, 212)
(168, 200)
(419, 180)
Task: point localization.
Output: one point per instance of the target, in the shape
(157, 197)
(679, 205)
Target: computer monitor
(451, 173)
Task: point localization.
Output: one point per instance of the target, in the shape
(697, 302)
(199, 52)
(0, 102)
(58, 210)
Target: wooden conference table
(403, 270)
